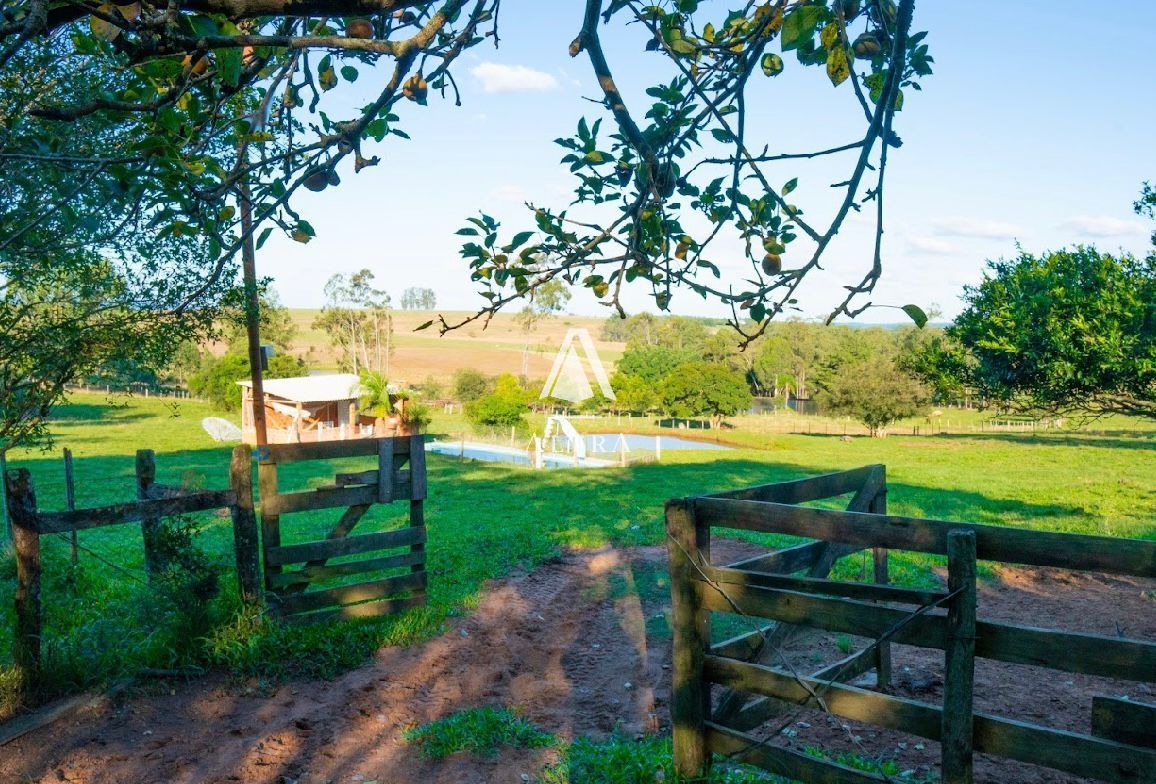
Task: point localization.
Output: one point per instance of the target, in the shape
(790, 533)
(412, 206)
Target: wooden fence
(1121, 747)
(399, 475)
(154, 502)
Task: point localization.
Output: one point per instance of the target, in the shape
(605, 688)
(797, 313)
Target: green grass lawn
(486, 519)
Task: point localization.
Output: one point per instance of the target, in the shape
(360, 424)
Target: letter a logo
(568, 379)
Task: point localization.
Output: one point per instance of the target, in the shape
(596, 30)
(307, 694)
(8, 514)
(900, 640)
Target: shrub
(504, 407)
(876, 392)
(470, 384)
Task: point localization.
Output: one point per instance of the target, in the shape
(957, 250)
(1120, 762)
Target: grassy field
(496, 348)
(486, 519)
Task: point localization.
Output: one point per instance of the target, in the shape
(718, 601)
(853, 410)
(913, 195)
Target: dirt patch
(582, 647)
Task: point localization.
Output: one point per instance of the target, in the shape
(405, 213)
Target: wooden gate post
(959, 670)
(146, 475)
(690, 696)
(882, 577)
(21, 504)
(245, 539)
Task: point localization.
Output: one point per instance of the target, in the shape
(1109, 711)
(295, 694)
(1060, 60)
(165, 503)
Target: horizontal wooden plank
(788, 763)
(786, 561)
(325, 498)
(838, 615)
(348, 594)
(356, 611)
(1081, 755)
(993, 543)
(897, 713)
(1124, 721)
(1090, 654)
(349, 545)
(157, 490)
(329, 450)
(1071, 752)
(798, 491)
(132, 511)
(314, 573)
(825, 587)
(345, 479)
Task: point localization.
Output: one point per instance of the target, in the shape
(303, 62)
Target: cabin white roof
(312, 389)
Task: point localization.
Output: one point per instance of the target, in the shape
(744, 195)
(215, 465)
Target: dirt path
(580, 646)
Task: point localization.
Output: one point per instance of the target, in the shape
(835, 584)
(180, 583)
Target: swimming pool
(607, 444)
(612, 443)
(503, 454)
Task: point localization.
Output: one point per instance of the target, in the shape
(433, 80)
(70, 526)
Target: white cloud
(498, 78)
(1103, 226)
(930, 245)
(969, 227)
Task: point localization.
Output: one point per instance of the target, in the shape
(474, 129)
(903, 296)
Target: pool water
(608, 445)
(612, 443)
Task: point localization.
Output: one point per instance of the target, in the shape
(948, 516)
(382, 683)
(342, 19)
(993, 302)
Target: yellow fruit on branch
(415, 88)
(359, 28)
(866, 46)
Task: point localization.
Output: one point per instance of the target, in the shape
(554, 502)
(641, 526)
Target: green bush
(504, 407)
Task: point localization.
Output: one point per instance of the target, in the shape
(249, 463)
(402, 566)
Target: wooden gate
(1121, 747)
(292, 569)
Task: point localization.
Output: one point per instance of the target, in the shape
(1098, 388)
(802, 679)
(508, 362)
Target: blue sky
(1037, 127)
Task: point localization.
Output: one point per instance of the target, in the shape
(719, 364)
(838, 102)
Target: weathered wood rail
(400, 475)
(1121, 747)
(154, 503)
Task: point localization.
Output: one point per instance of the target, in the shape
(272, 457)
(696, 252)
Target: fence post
(146, 475)
(70, 502)
(690, 697)
(4, 495)
(245, 539)
(21, 504)
(959, 670)
(878, 506)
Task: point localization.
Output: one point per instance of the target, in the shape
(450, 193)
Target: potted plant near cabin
(377, 402)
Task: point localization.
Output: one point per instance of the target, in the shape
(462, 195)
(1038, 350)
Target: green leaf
(327, 78)
(790, 186)
(229, 66)
(799, 25)
(838, 69)
(349, 73)
(916, 314)
(377, 129)
(772, 64)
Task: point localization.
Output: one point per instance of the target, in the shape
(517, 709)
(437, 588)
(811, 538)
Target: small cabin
(306, 408)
